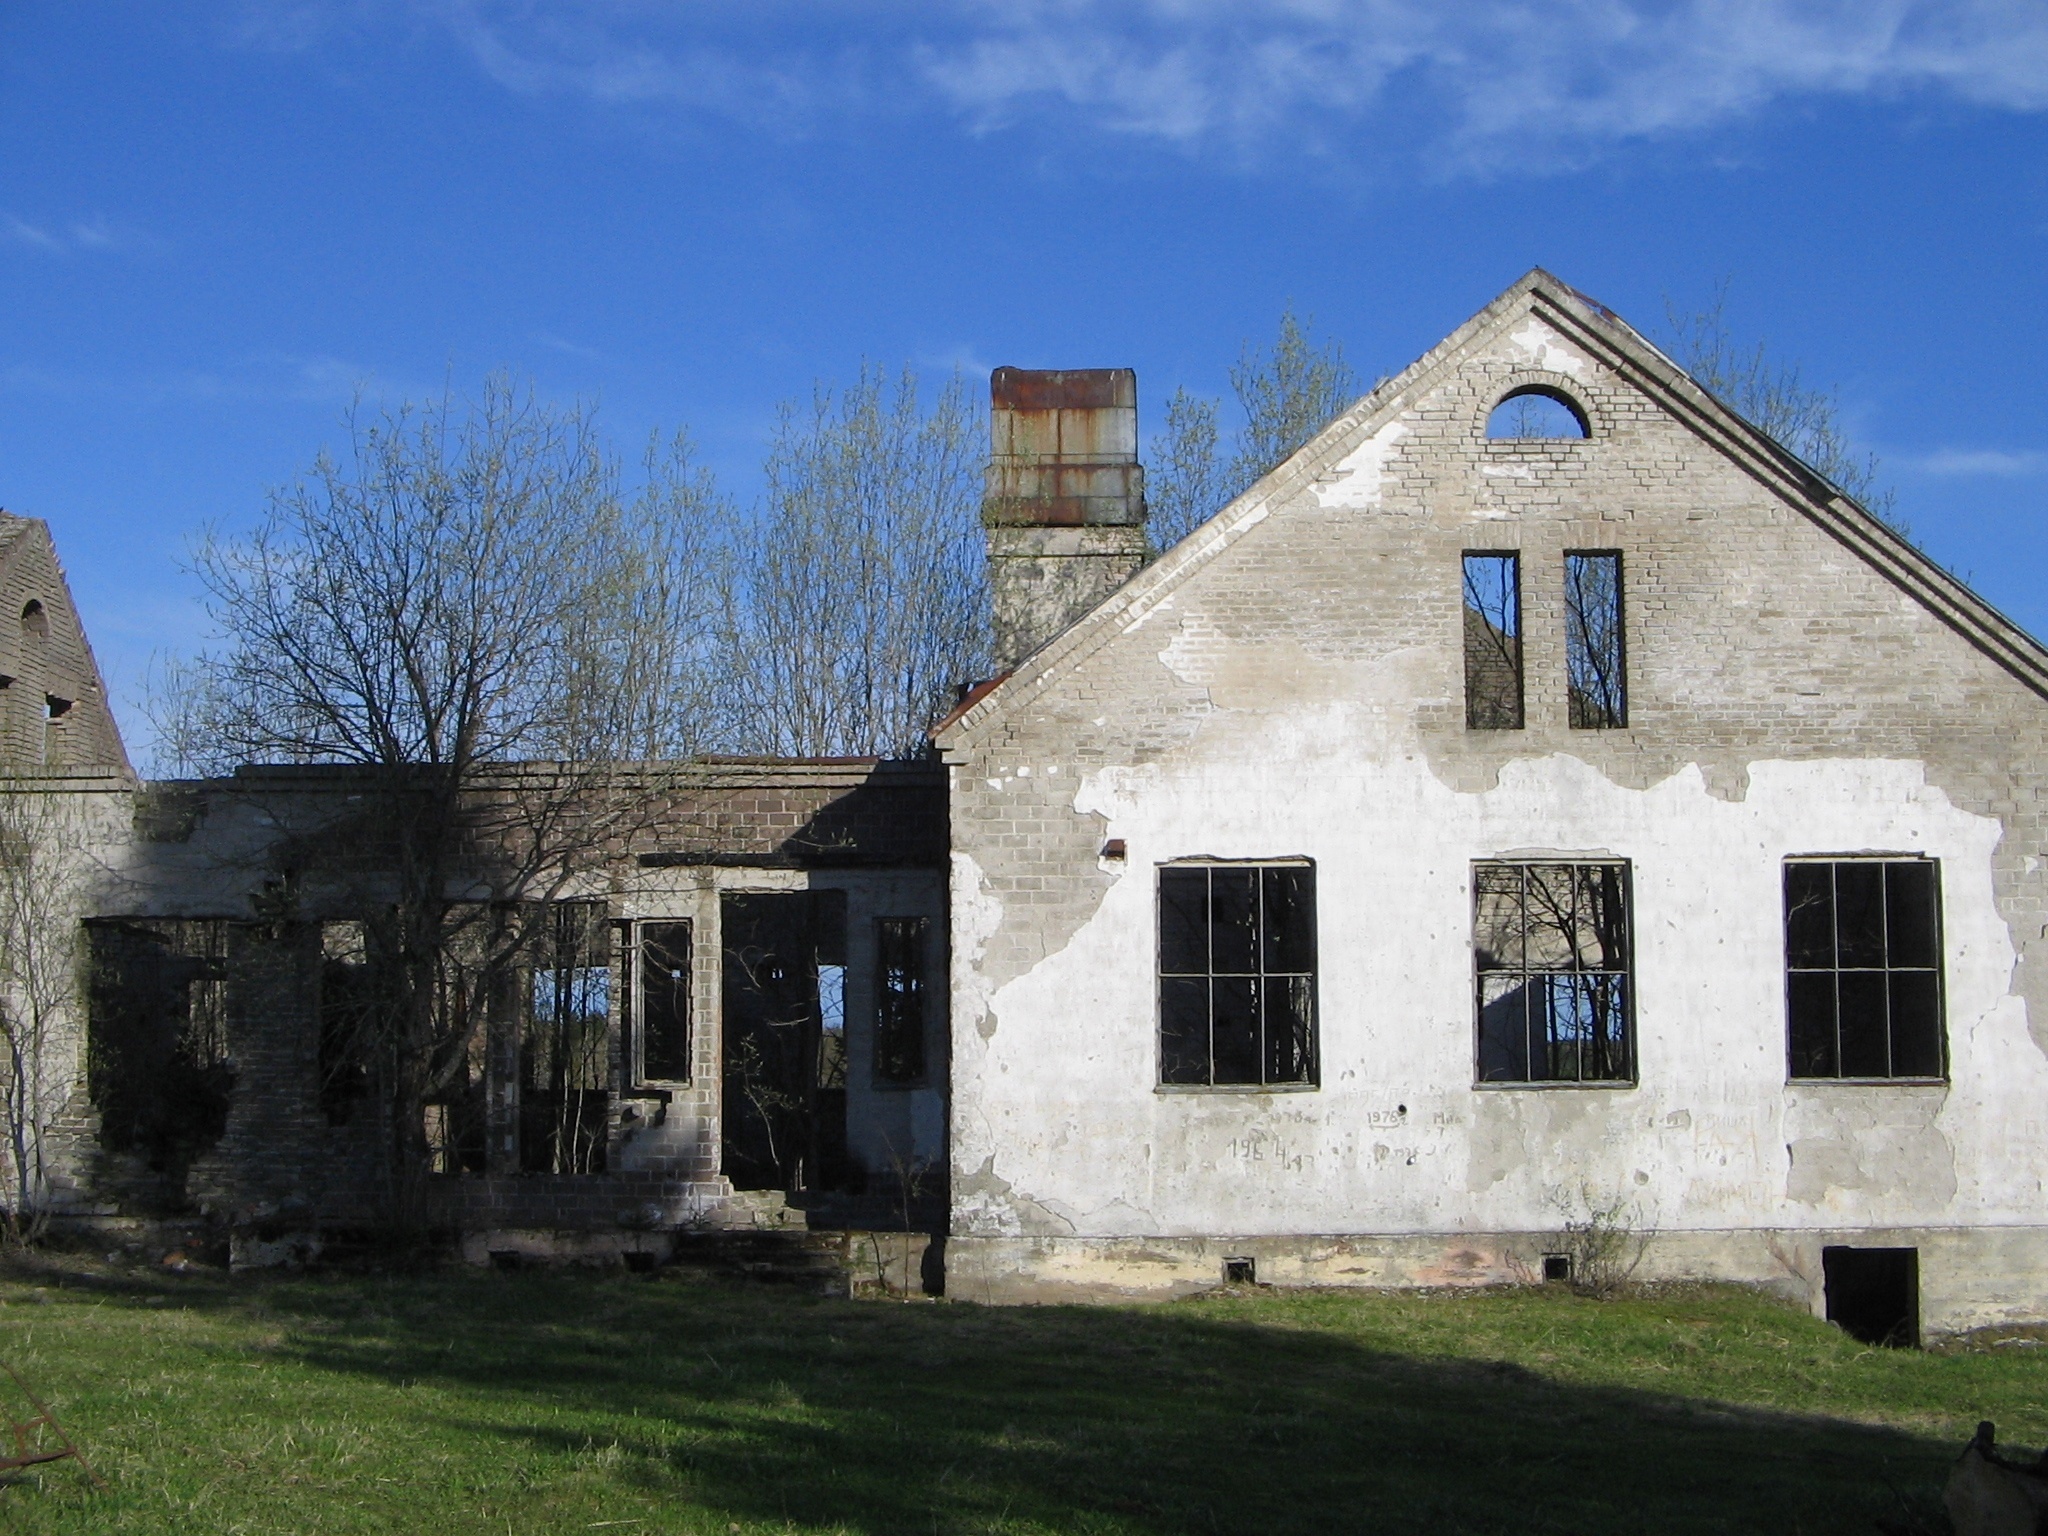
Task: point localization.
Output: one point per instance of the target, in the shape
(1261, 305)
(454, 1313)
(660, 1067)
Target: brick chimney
(1065, 509)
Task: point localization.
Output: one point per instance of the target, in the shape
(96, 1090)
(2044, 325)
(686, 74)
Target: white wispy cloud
(267, 378)
(1496, 79)
(34, 236)
(1476, 83)
(1993, 463)
(567, 348)
(57, 239)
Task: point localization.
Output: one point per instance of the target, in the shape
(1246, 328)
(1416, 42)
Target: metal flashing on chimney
(1065, 508)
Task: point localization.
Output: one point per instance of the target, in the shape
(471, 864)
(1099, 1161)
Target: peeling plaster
(1071, 1115)
(1356, 479)
(1536, 345)
(976, 916)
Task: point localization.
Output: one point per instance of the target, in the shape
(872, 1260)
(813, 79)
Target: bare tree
(469, 590)
(1185, 480)
(1286, 396)
(38, 982)
(1775, 397)
(861, 601)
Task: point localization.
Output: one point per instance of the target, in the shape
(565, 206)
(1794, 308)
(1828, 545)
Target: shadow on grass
(883, 1418)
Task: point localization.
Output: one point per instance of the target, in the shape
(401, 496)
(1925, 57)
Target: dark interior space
(1873, 1294)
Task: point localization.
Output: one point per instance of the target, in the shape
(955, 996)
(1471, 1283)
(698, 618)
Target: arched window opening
(1536, 412)
(34, 621)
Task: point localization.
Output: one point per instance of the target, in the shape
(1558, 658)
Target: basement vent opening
(1873, 1294)
(1557, 1269)
(1240, 1271)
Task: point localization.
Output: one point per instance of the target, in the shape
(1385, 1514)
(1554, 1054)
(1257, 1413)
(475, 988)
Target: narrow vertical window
(899, 1000)
(1493, 641)
(1237, 975)
(563, 1070)
(1551, 951)
(664, 1002)
(1863, 968)
(348, 1019)
(1594, 652)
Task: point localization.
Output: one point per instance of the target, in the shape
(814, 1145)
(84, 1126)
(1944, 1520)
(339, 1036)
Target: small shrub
(1606, 1244)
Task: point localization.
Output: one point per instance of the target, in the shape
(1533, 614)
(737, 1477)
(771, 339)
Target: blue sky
(219, 220)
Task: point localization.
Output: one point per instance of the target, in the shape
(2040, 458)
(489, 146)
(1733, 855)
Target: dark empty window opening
(56, 708)
(1237, 975)
(1240, 1271)
(1557, 1268)
(1536, 413)
(832, 1023)
(1863, 968)
(899, 1000)
(1594, 650)
(348, 1020)
(563, 1102)
(1873, 1294)
(1551, 949)
(157, 1065)
(1493, 641)
(662, 1032)
(454, 1117)
(34, 621)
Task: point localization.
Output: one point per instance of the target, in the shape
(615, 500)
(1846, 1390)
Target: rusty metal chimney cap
(1063, 389)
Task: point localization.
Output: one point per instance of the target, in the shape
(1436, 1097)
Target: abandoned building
(1542, 800)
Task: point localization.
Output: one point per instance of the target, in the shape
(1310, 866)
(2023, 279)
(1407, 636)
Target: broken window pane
(1863, 971)
(1594, 650)
(899, 999)
(564, 1074)
(1551, 954)
(1493, 642)
(1810, 918)
(664, 1013)
(1237, 958)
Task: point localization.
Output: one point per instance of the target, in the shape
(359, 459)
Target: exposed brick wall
(221, 849)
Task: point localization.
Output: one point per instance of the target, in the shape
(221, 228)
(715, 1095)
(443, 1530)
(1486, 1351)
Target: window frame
(1311, 1081)
(1627, 971)
(1939, 970)
(633, 935)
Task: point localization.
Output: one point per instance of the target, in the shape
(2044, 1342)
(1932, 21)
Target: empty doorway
(784, 1034)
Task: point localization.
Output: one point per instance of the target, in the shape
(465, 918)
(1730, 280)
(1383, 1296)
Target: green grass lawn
(515, 1403)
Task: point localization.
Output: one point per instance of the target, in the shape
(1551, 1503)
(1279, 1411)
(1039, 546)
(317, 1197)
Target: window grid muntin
(1301, 983)
(1935, 971)
(1610, 987)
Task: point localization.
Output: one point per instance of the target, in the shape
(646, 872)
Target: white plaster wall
(1062, 1131)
